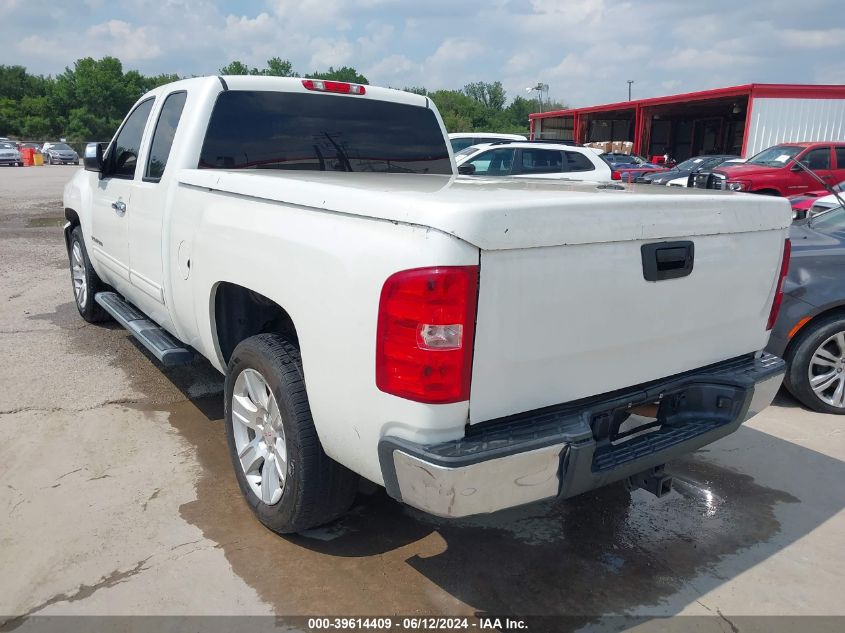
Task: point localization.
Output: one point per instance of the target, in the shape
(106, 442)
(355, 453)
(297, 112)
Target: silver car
(59, 154)
(9, 154)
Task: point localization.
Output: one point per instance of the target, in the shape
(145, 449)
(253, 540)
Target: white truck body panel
(780, 120)
(563, 323)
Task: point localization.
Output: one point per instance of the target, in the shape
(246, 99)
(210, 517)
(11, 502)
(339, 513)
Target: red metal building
(739, 120)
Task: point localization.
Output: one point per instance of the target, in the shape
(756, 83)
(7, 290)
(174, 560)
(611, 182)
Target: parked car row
(54, 153)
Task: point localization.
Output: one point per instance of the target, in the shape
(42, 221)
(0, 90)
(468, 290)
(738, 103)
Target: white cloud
(329, 52)
(122, 40)
(584, 49)
(394, 70)
(813, 38)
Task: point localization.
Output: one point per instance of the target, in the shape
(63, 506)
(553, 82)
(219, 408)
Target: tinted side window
(461, 143)
(577, 162)
(495, 162)
(316, 132)
(165, 130)
(817, 158)
(840, 157)
(123, 155)
(541, 161)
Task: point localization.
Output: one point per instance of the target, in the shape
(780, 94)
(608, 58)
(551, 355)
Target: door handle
(119, 206)
(667, 260)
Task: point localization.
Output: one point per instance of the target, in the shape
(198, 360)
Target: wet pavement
(118, 498)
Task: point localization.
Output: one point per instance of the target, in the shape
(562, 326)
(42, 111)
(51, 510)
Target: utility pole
(630, 81)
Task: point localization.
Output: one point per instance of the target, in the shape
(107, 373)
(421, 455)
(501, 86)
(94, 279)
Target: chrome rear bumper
(566, 450)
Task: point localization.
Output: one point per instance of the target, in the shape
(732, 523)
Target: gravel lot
(117, 497)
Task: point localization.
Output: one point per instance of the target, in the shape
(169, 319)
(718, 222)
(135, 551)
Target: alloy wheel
(80, 283)
(259, 436)
(827, 371)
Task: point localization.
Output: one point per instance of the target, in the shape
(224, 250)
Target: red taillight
(334, 86)
(784, 268)
(426, 325)
(615, 175)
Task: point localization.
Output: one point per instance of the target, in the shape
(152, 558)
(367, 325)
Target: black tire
(799, 355)
(317, 489)
(89, 309)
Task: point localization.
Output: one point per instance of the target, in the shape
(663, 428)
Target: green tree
(344, 73)
(90, 98)
(491, 95)
(460, 113)
(277, 67)
(235, 68)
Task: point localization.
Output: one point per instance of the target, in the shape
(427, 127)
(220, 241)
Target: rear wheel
(285, 476)
(85, 281)
(816, 374)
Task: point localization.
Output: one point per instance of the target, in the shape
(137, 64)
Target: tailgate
(558, 323)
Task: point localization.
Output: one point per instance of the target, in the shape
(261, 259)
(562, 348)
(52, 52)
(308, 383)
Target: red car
(802, 202)
(774, 172)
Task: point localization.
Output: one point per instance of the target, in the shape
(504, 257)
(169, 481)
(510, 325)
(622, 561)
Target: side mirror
(796, 167)
(93, 159)
(467, 169)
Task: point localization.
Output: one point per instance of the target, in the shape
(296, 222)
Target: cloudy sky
(584, 49)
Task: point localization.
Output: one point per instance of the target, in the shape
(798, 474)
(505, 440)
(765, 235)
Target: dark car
(685, 169)
(810, 330)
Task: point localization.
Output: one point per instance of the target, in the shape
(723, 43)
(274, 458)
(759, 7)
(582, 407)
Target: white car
(469, 344)
(461, 140)
(526, 159)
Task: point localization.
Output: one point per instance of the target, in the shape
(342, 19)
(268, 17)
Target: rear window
(577, 162)
(278, 130)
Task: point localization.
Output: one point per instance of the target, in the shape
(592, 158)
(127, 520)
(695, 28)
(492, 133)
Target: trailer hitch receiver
(655, 480)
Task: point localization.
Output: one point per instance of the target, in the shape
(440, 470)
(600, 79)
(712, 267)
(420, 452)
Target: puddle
(608, 551)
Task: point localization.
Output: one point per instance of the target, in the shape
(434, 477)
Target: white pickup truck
(470, 344)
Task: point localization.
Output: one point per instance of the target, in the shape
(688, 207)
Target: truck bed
(564, 308)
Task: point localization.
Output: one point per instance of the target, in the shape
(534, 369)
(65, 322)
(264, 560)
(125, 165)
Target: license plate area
(669, 417)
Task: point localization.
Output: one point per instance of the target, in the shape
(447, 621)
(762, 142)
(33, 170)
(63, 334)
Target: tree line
(88, 101)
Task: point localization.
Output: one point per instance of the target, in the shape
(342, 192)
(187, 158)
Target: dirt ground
(117, 498)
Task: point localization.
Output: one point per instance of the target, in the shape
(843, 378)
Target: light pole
(630, 81)
(540, 88)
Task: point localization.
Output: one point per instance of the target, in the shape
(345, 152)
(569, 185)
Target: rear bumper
(566, 450)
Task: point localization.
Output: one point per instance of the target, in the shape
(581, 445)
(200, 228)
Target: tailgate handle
(667, 260)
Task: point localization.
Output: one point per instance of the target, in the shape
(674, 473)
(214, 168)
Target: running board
(161, 344)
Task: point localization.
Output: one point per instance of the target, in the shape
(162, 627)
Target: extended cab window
(541, 161)
(165, 130)
(123, 155)
(284, 130)
(817, 158)
(840, 157)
